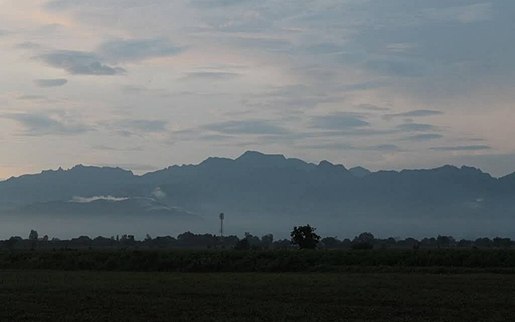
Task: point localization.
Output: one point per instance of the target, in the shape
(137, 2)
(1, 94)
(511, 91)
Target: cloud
(32, 97)
(247, 127)
(211, 75)
(116, 148)
(371, 107)
(219, 3)
(124, 50)
(134, 127)
(424, 137)
(416, 127)
(97, 198)
(28, 45)
(462, 148)
(338, 121)
(50, 82)
(102, 4)
(399, 67)
(41, 124)
(324, 48)
(382, 148)
(362, 86)
(270, 44)
(345, 146)
(415, 113)
(79, 63)
(289, 97)
(464, 14)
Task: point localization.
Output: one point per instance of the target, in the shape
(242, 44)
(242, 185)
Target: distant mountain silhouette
(267, 190)
(360, 172)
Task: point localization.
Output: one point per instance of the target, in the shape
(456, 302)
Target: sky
(147, 84)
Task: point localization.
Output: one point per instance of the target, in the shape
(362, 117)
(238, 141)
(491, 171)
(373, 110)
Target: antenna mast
(222, 224)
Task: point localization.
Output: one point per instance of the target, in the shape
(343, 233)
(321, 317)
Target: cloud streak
(259, 127)
(462, 148)
(338, 121)
(41, 124)
(416, 127)
(414, 113)
(79, 63)
(56, 82)
(134, 50)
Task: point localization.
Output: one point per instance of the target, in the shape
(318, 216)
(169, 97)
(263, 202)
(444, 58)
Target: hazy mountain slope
(259, 189)
(63, 185)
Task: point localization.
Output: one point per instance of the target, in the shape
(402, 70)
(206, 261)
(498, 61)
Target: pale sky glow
(147, 84)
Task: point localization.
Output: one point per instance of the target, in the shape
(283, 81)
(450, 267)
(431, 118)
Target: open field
(149, 296)
(209, 261)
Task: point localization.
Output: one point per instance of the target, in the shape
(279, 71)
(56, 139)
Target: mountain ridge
(244, 157)
(261, 190)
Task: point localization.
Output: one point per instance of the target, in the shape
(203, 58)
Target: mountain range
(264, 192)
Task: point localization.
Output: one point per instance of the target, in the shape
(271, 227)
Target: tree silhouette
(33, 235)
(305, 237)
(363, 241)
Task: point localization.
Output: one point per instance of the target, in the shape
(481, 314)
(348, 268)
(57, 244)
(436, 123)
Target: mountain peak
(255, 155)
(359, 172)
(325, 163)
(257, 158)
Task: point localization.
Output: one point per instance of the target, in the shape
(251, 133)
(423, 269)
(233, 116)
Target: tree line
(303, 237)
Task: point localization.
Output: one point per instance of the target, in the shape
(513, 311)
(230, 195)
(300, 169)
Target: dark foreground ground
(28, 295)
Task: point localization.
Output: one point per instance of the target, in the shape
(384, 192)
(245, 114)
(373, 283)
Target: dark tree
(267, 240)
(363, 241)
(331, 242)
(242, 244)
(33, 235)
(305, 237)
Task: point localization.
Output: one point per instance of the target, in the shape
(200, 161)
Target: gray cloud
(424, 137)
(32, 97)
(371, 107)
(416, 127)
(345, 146)
(415, 113)
(211, 75)
(79, 62)
(123, 50)
(289, 97)
(41, 124)
(462, 148)
(324, 48)
(117, 148)
(114, 4)
(50, 82)
(247, 127)
(338, 121)
(28, 45)
(398, 67)
(362, 86)
(382, 148)
(262, 43)
(465, 14)
(134, 127)
(219, 3)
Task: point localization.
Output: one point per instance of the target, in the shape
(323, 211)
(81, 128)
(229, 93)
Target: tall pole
(222, 224)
